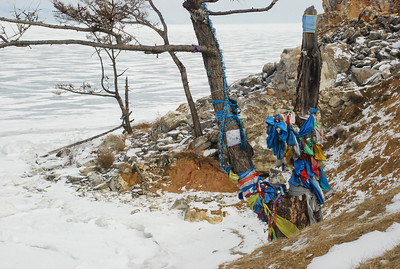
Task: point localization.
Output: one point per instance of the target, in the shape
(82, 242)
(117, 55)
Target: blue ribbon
(309, 23)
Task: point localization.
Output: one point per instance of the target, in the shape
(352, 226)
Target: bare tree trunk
(185, 82)
(239, 157)
(127, 112)
(309, 71)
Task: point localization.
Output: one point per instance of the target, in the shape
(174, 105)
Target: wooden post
(294, 208)
(309, 69)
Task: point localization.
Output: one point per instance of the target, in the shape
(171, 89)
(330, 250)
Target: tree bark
(308, 71)
(239, 158)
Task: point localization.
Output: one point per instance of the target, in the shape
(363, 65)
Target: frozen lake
(30, 107)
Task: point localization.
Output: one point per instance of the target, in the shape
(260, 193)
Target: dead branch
(83, 141)
(60, 27)
(144, 48)
(250, 10)
(85, 88)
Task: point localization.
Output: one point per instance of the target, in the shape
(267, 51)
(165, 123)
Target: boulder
(200, 144)
(335, 101)
(336, 59)
(196, 215)
(269, 69)
(180, 204)
(96, 179)
(285, 78)
(118, 184)
(171, 121)
(364, 76)
(110, 144)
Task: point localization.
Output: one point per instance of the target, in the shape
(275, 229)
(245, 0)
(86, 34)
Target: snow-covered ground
(48, 225)
(350, 254)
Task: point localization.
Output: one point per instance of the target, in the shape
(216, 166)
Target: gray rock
(96, 179)
(363, 75)
(118, 184)
(383, 55)
(111, 143)
(200, 143)
(335, 101)
(336, 59)
(171, 121)
(286, 70)
(180, 204)
(63, 153)
(374, 35)
(269, 69)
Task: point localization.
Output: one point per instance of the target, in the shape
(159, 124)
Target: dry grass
(105, 160)
(390, 259)
(316, 240)
(143, 126)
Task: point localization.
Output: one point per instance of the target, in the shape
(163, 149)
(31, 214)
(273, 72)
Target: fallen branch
(83, 141)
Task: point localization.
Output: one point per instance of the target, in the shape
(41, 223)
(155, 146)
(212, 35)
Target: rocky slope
(164, 155)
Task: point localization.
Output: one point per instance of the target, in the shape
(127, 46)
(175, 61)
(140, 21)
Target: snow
(395, 206)
(51, 226)
(351, 254)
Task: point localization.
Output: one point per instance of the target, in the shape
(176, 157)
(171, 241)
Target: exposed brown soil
(196, 172)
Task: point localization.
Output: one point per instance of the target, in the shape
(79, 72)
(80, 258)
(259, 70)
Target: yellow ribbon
(318, 153)
(233, 177)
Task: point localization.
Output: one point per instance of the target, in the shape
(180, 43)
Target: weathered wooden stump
(294, 208)
(309, 69)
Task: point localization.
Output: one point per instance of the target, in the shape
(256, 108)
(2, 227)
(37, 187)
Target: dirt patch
(192, 171)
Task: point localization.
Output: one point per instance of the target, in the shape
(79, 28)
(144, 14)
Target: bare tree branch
(85, 89)
(3, 38)
(250, 10)
(103, 76)
(59, 27)
(145, 48)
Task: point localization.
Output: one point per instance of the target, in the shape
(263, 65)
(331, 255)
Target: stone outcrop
(285, 78)
(363, 52)
(341, 11)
